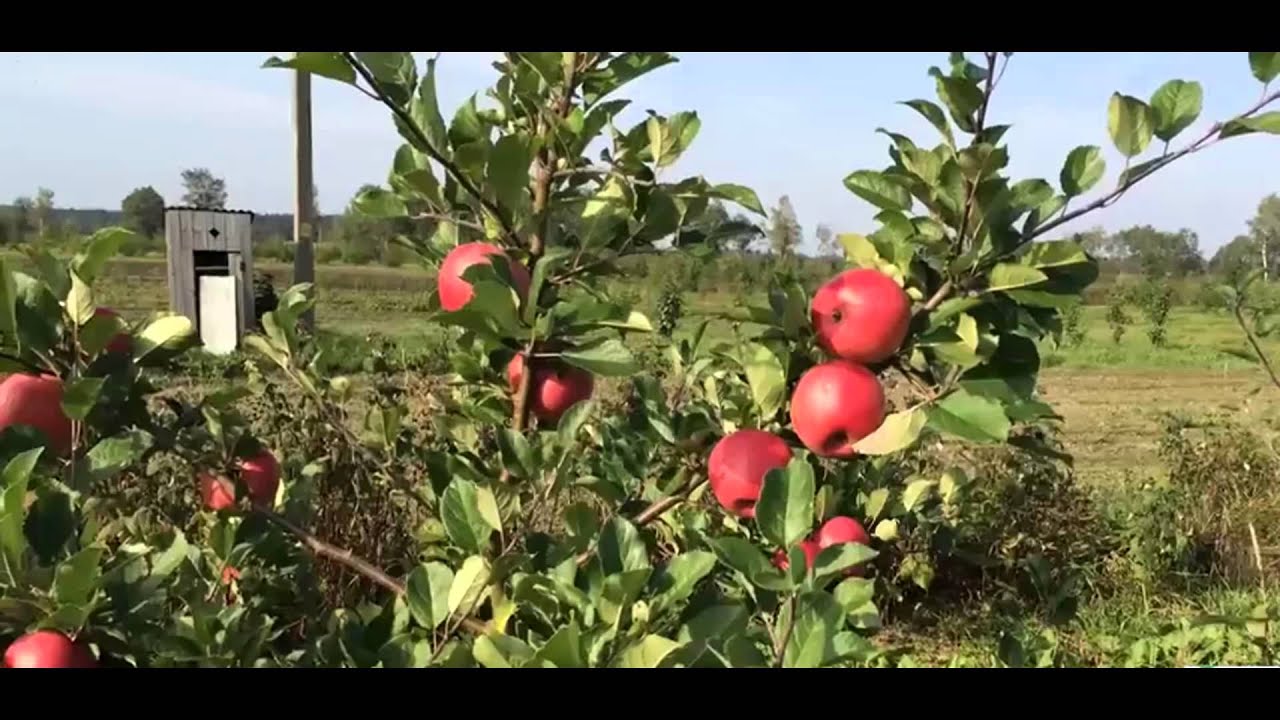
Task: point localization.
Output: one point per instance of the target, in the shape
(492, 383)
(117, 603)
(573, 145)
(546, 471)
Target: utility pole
(304, 263)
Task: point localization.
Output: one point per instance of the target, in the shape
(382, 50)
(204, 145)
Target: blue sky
(93, 126)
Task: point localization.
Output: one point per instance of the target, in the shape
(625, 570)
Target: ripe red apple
(121, 343)
(36, 401)
(861, 315)
(261, 475)
(834, 405)
(737, 467)
(556, 388)
(455, 292)
(843, 529)
(218, 493)
(782, 560)
(47, 649)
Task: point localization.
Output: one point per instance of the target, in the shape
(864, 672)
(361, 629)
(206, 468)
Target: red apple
(36, 401)
(843, 529)
(834, 405)
(737, 467)
(121, 343)
(218, 493)
(261, 475)
(556, 388)
(810, 547)
(455, 292)
(47, 649)
(861, 315)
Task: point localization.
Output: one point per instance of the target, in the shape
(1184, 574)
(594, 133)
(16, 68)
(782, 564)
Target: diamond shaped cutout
(213, 232)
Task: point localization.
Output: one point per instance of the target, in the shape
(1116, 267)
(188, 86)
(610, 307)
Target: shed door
(219, 313)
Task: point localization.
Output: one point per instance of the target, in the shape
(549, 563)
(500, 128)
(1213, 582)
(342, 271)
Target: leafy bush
(1155, 297)
(1117, 318)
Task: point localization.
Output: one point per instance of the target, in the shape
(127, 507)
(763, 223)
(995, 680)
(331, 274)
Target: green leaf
(1135, 173)
(817, 620)
(604, 216)
(508, 171)
(609, 358)
(621, 548)
(378, 202)
(670, 138)
(676, 581)
(564, 649)
(467, 126)
(649, 652)
(396, 72)
(1266, 122)
(1175, 106)
(741, 555)
(898, 432)
(620, 592)
(767, 379)
(80, 305)
(963, 98)
(740, 194)
(425, 111)
(80, 395)
(571, 422)
(173, 333)
(876, 189)
(101, 247)
(876, 501)
(860, 251)
(1053, 253)
(856, 595)
(1265, 65)
(1081, 171)
(13, 543)
(8, 307)
(427, 593)
(469, 585)
(463, 521)
(917, 492)
(517, 454)
(1130, 123)
(1006, 276)
(1043, 212)
(970, 417)
(112, 455)
(501, 651)
(99, 332)
(171, 559)
(785, 509)
(325, 64)
(835, 559)
(76, 579)
(935, 116)
(1028, 194)
(621, 70)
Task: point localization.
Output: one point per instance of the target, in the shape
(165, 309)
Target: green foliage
(1117, 318)
(1156, 300)
(450, 520)
(143, 211)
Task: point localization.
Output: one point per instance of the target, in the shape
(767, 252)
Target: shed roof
(220, 211)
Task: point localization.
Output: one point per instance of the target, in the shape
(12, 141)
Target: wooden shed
(210, 256)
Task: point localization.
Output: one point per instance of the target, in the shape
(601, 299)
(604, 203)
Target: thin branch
(454, 171)
(1206, 140)
(1257, 346)
(350, 560)
(441, 217)
(780, 650)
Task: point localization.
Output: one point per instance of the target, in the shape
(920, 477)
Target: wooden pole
(304, 265)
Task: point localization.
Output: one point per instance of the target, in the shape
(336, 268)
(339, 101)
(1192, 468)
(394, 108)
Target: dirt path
(1114, 417)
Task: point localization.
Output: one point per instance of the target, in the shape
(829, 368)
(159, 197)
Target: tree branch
(350, 560)
(450, 167)
(1257, 346)
(1203, 142)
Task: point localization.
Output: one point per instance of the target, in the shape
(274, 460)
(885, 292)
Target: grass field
(1112, 396)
